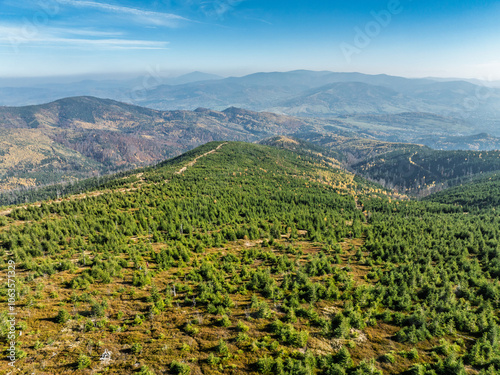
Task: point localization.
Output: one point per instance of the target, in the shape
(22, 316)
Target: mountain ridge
(80, 137)
(283, 92)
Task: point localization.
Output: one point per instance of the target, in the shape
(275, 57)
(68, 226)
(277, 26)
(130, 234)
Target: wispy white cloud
(32, 29)
(143, 16)
(64, 37)
(86, 32)
(104, 43)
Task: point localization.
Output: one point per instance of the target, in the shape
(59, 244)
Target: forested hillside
(420, 172)
(477, 194)
(355, 149)
(412, 170)
(246, 259)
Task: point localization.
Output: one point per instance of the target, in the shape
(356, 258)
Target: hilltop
(232, 196)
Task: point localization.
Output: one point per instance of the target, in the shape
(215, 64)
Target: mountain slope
(476, 142)
(355, 149)
(408, 126)
(346, 98)
(328, 94)
(228, 192)
(479, 193)
(415, 170)
(81, 137)
(318, 94)
(246, 259)
(86, 136)
(420, 172)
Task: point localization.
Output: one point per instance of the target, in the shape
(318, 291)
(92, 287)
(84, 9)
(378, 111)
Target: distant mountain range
(472, 104)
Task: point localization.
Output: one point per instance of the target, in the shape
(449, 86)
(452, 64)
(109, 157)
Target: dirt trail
(6, 212)
(193, 162)
(123, 190)
(60, 200)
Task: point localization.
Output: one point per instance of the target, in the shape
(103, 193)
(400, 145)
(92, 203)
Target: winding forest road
(416, 165)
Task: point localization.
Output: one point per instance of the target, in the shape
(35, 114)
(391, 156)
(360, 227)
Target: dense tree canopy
(253, 259)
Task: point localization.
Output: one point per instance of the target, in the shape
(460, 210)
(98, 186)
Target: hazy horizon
(103, 77)
(84, 38)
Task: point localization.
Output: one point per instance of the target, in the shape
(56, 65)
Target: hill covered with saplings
(246, 259)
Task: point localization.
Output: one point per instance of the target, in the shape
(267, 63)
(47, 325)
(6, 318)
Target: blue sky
(234, 37)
